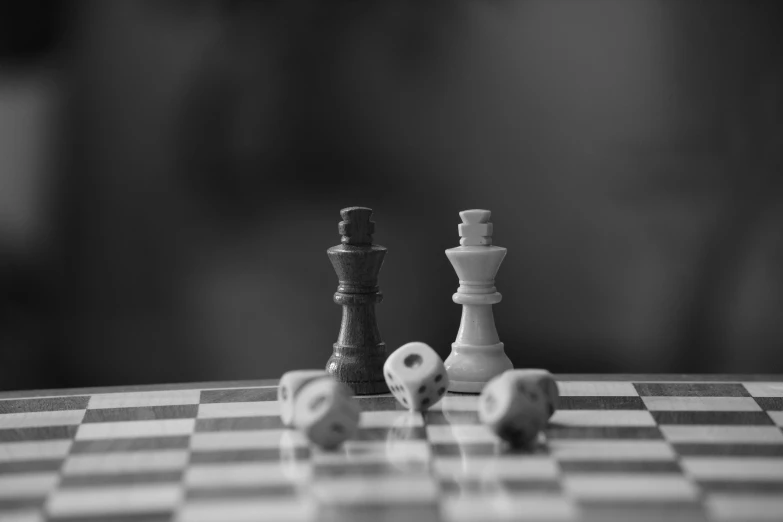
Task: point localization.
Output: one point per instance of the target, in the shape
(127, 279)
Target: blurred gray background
(171, 174)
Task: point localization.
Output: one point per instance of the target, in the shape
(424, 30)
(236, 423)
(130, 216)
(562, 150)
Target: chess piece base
(470, 367)
(364, 374)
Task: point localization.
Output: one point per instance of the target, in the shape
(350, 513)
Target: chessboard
(618, 448)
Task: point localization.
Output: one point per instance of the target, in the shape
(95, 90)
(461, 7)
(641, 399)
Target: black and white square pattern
(614, 450)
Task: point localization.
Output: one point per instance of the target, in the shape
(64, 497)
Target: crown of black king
(357, 261)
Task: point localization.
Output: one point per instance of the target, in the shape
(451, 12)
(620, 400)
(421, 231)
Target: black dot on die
(405, 402)
(489, 403)
(284, 393)
(389, 376)
(422, 389)
(413, 360)
(317, 401)
(439, 377)
(338, 428)
(441, 390)
(425, 402)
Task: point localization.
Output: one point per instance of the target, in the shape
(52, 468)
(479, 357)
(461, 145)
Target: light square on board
(41, 419)
(239, 409)
(629, 486)
(745, 507)
(611, 450)
(251, 439)
(43, 404)
(247, 510)
(538, 467)
(393, 489)
(37, 450)
(124, 500)
(777, 417)
(667, 403)
(723, 434)
(21, 485)
(246, 474)
(131, 462)
(507, 506)
(734, 468)
(142, 399)
(764, 389)
(461, 433)
(596, 389)
(148, 428)
(602, 418)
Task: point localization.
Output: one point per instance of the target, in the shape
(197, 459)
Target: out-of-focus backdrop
(171, 174)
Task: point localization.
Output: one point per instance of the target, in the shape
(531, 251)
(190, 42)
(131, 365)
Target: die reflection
(471, 459)
(293, 458)
(406, 446)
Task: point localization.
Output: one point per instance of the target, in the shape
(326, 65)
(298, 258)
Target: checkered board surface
(616, 450)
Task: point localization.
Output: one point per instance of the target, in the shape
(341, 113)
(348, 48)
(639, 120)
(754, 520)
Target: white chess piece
(477, 354)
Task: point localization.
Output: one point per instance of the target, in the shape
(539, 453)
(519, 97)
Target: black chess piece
(359, 353)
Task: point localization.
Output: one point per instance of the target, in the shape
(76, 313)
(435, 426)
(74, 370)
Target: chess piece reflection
(359, 353)
(405, 449)
(293, 457)
(477, 448)
(477, 355)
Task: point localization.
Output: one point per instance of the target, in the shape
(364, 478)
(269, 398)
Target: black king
(359, 353)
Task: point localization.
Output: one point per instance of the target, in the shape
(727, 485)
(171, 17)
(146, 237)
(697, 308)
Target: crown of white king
(475, 229)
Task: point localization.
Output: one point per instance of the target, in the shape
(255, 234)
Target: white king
(477, 354)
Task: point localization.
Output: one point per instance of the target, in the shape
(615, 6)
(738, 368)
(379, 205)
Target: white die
(288, 388)
(326, 412)
(514, 409)
(546, 383)
(416, 376)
